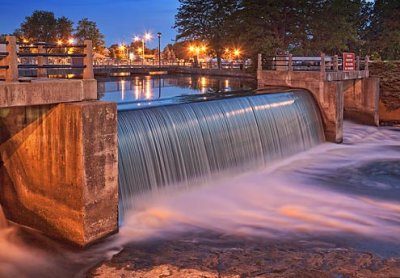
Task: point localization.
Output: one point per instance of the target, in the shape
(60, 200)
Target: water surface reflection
(141, 90)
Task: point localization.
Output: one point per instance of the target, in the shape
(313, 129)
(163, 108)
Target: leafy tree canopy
(303, 27)
(41, 26)
(205, 20)
(88, 30)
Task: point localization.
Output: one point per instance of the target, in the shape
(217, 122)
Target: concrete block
(58, 171)
(89, 89)
(46, 91)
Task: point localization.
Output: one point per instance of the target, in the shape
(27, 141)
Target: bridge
(339, 92)
(58, 144)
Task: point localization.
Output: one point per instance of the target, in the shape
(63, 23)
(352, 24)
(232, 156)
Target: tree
(205, 20)
(268, 25)
(169, 53)
(64, 28)
(87, 30)
(384, 30)
(342, 31)
(41, 26)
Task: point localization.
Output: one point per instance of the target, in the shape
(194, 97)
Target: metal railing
(321, 64)
(43, 56)
(115, 63)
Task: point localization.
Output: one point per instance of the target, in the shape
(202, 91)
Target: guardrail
(43, 56)
(115, 63)
(322, 63)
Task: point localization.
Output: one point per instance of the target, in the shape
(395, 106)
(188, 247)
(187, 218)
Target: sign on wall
(349, 61)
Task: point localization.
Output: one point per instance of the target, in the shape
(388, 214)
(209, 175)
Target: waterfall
(3, 220)
(192, 142)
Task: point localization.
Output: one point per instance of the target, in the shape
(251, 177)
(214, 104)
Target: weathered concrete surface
(58, 169)
(355, 98)
(361, 100)
(389, 103)
(46, 91)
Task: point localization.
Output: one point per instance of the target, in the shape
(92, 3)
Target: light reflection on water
(145, 90)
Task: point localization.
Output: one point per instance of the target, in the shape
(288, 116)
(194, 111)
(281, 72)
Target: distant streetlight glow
(236, 52)
(196, 50)
(122, 49)
(146, 37)
(59, 42)
(71, 41)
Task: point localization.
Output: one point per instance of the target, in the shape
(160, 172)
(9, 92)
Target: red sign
(349, 61)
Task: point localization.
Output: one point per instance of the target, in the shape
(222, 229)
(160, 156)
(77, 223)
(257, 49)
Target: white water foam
(282, 200)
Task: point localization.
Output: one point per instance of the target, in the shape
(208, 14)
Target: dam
(58, 128)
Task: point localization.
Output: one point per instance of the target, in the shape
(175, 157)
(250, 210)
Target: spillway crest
(190, 143)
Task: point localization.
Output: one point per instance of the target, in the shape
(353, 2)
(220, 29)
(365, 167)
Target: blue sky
(118, 20)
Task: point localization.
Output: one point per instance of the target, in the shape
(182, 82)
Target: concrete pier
(58, 153)
(59, 169)
(353, 95)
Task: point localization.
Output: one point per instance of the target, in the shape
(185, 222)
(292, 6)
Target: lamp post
(122, 49)
(159, 49)
(146, 37)
(196, 50)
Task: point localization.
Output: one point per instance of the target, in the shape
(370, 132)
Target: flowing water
(249, 166)
(189, 143)
(330, 190)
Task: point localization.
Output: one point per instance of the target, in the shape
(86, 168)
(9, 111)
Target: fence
(115, 63)
(322, 63)
(43, 56)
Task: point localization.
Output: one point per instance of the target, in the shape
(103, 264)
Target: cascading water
(192, 142)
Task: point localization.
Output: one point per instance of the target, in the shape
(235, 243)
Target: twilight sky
(118, 20)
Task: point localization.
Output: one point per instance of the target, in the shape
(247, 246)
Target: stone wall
(389, 104)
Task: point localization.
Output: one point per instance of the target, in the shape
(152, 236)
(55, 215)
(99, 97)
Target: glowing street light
(232, 52)
(236, 52)
(71, 41)
(59, 42)
(196, 50)
(146, 37)
(122, 49)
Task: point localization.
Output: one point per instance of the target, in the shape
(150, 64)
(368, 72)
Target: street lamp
(159, 49)
(146, 37)
(122, 49)
(196, 50)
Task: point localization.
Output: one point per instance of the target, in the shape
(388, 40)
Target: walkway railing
(323, 63)
(43, 56)
(115, 63)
